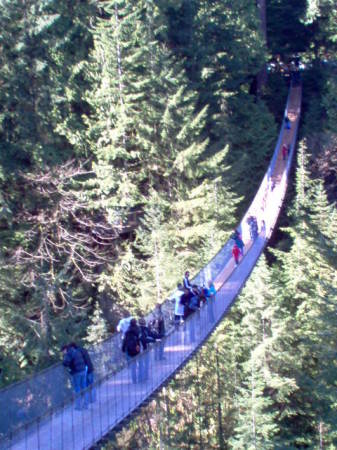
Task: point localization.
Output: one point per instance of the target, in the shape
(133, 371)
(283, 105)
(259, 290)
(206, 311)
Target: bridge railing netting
(26, 401)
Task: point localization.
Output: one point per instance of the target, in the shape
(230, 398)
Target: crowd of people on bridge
(136, 336)
(187, 299)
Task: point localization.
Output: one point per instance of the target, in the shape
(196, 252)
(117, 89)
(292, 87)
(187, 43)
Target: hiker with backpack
(131, 347)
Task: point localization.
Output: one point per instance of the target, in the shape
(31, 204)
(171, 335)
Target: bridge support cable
(122, 390)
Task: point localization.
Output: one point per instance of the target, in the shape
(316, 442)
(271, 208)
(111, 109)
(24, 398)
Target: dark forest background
(133, 134)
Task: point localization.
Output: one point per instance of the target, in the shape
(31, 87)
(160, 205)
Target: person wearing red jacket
(284, 152)
(236, 254)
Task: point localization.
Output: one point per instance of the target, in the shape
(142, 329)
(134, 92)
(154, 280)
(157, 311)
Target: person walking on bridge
(236, 254)
(74, 361)
(178, 307)
(146, 337)
(284, 152)
(89, 368)
(287, 122)
(131, 347)
(238, 241)
(158, 325)
(253, 227)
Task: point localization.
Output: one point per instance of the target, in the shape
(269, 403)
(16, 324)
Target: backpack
(132, 346)
(74, 360)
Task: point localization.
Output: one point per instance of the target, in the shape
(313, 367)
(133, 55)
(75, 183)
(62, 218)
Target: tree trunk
(261, 79)
(45, 319)
(220, 430)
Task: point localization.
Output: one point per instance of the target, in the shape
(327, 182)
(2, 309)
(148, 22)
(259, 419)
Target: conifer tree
(306, 284)
(37, 59)
(157, 145)
(328, 103)
(266, 384)
(36, 66)
(97, 328)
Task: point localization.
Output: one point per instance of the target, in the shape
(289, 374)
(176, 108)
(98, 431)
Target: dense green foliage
(120, 122)
(131, 139)
(267, 379)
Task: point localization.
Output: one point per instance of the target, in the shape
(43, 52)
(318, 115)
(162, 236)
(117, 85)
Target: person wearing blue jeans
(89, 370)
(133, 363)
(146, 337)
(90, 386)
(131, 347)
(159, 327)
(210, 296)
(80, 384)
(74, 361)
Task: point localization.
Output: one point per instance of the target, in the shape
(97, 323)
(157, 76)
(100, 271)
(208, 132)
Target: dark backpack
(74, 360)
(132, 346)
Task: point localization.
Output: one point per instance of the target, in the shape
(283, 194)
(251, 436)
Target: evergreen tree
(266, 383)
(250, 128)
(37, 60)
(97, 328)
(157, 146)
(328, 103)
(307, 282)
(35, 76)
(286, 29)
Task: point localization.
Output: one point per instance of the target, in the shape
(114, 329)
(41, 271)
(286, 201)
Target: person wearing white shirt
(123, 325)
(178, 307)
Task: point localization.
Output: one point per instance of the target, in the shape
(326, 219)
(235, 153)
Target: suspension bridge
(40, 412)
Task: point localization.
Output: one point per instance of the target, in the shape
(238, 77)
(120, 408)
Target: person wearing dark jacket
(75, 363)
(158, 325)
(146, 337)
(131, 347)
(89, 371)
(185, 301)
(186, 281)
(253, 228)
(287, 123)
